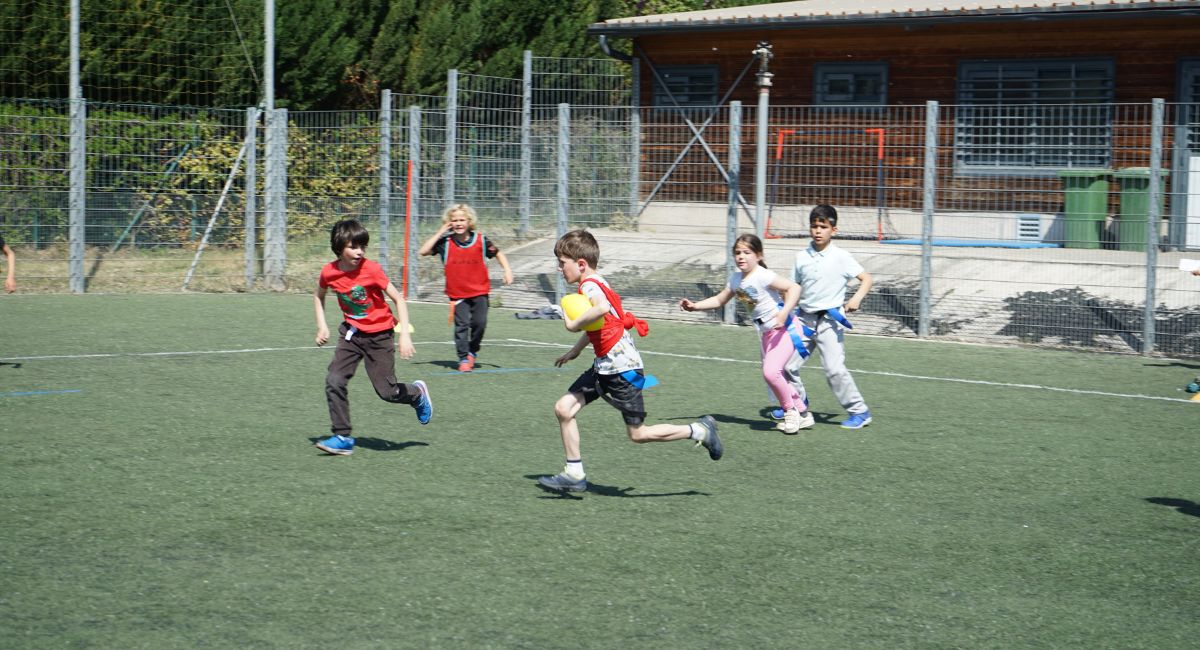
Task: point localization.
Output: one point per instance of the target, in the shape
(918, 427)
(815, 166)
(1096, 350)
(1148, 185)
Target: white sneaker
(791, 418)
(806, 421)
(794, 421)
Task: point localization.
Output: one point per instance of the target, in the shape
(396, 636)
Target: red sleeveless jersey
(607, 336)
(466, 269)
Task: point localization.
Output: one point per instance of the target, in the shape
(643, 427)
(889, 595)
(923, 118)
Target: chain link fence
(1025, 224)
(999, 224)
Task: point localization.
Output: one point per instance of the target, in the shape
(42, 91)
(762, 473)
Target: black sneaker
(562, 482)
(710, 441)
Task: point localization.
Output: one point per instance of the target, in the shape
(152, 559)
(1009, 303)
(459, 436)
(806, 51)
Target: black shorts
(616, 390)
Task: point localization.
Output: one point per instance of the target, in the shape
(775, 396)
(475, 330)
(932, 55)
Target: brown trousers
(378, 352)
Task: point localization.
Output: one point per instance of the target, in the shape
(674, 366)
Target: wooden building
(1035, 86)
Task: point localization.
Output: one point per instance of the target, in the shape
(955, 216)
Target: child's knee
(637, 433)
(387, 392)
(564, 408)
(336, 381)
(837, 376)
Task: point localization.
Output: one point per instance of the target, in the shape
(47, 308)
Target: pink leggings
(777, 348)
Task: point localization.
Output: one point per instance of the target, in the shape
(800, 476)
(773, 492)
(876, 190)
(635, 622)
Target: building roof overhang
(827, 13)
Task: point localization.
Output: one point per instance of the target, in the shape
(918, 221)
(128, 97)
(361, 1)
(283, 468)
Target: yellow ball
(411, 329)
(574, 305)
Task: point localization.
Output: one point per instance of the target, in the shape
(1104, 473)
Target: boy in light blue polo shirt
(823, 272)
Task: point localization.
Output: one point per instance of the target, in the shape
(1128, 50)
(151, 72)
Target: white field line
(980, 382)
(188, 353)
(522, 343)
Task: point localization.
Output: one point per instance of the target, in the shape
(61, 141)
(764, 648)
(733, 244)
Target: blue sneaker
(337, 445)
(857, 420)
(778, 414)
(423, 405)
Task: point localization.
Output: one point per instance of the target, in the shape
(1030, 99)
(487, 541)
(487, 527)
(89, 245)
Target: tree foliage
(329, 54)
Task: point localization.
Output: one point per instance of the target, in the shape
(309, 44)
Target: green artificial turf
(1003, 497)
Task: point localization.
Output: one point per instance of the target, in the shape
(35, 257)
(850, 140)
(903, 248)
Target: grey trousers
(378, 352)
(829, 339)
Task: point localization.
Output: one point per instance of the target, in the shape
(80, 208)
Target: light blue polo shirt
(823, 277)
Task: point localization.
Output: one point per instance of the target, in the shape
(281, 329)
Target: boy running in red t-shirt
(366, 334)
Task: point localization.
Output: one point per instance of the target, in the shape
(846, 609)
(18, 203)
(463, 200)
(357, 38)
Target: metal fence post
(413, 200)
(928, 203)
(250, 211)
(1153, 219)
(524, 208)
(451, 136)
(764, 54)
(275, 231)
(564, 157)
(635, 138)
(77, 160)
(77, 194)
(385, 176)
(735, 165)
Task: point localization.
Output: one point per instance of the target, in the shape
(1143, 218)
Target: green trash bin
(1085, 206)
(1135, 207)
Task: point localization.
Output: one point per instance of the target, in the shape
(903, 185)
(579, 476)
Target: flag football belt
(801, 333)
(834, 314)
(797, 331)
(641, 382)
(799, 338)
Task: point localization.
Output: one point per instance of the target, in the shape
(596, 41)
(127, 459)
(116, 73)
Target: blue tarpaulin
(976, 243)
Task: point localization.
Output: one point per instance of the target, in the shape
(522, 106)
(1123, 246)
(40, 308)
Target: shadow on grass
(379, 444)
(1174, 363)
(482, 369)
(608, 491)
(10, 363)
(761, 424)
(452, 365)
(824, 418)
(1183, 506)
(765, 423)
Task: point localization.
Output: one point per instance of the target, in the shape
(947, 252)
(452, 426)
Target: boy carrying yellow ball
(616, 374)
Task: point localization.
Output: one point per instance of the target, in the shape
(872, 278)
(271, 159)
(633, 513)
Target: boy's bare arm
(508, 274)
(10, 277)
(597, 310)
(404, 341)
(864, 286)
(322, 326)
(427, 247)
(573, 352)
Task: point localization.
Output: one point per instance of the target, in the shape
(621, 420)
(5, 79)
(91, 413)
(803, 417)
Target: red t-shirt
(360, 295)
